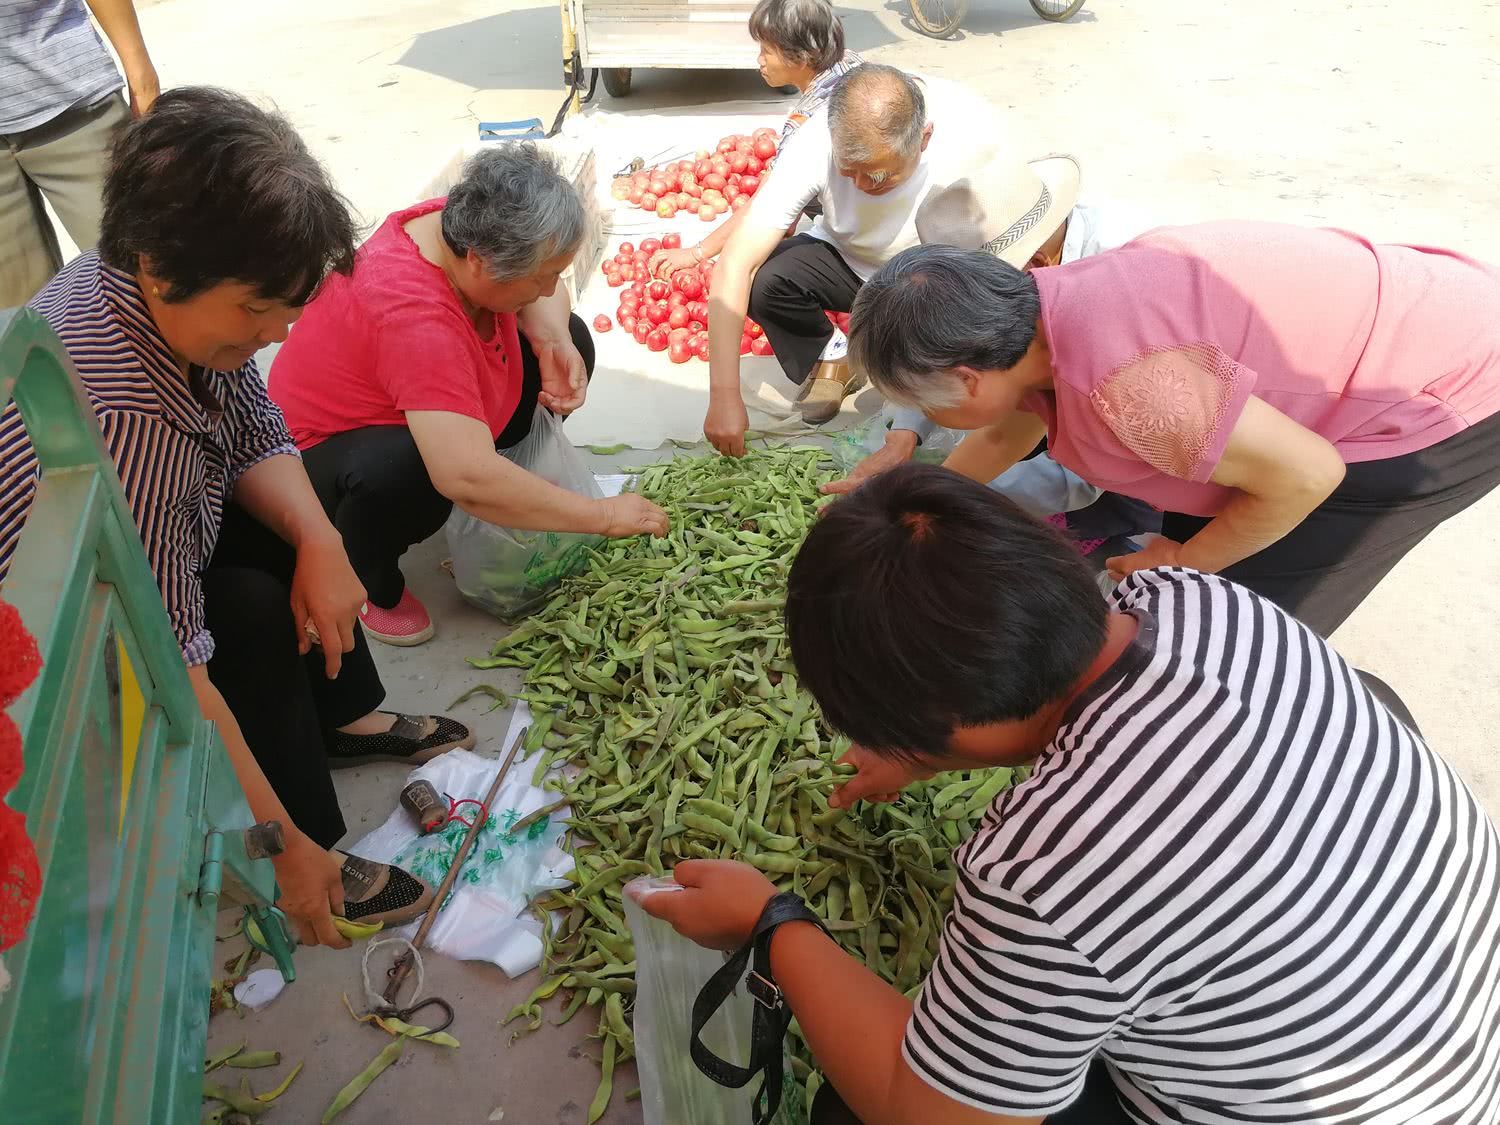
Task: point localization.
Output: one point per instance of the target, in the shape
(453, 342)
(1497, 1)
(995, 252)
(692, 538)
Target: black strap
(771, 1013)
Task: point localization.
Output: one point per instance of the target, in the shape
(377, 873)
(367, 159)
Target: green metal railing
(138, 820)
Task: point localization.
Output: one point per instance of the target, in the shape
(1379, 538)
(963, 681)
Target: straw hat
(1005, 208)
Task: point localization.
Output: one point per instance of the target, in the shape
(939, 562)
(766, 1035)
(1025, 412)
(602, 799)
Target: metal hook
(405, 1014)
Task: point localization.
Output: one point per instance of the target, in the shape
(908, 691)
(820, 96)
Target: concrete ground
(1380, 116)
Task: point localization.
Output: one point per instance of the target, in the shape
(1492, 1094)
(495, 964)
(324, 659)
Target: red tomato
(676, 299)
(679, 351)
(650, 246)
(666, 209)
(658, 290)
(700, 349)
(630, 297)
(641, 330)
(627, 322)
(679, 334)
(769, 134)
(740, 203)
(678, 317)
(684, 200)
(745, 343)
(671, 241)
(720, 205)
(752, 329)
(613, 279)
(657, 340)
(627, 273)
(765, 148)
(750, 185)
(715, 181)
(604, 266)
(726, 145)
(760, 346)
(753, 165)
(649, 201)
(602, 323)
(696, 326)
(731, 192)
(702, 168)
(626, 248)
(657, 186)
(721, 167)
(706, 213)
(635, 196)
(689, 284)
(698, 310)
(737, 161)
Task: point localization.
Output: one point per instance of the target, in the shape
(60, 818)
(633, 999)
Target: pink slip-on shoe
(404, 624)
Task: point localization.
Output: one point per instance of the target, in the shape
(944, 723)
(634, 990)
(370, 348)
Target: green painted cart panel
(128, 794)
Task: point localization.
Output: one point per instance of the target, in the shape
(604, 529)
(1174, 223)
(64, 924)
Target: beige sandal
(825, 389)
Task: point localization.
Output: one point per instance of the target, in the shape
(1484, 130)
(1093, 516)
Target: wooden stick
(403, 963)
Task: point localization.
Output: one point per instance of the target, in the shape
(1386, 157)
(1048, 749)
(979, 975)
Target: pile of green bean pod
(660, 678)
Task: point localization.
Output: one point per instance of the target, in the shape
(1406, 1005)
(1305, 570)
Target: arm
(325, 590)
(461, 460)
(1281, 471)
(987, 453)
(905, 430)
(727, 419)
(308, 875)
(118, 19)
(544, 323)
(853, 1021)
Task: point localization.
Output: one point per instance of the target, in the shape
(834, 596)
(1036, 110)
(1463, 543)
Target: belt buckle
(765, 991)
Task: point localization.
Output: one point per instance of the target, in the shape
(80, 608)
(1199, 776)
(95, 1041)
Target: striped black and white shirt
(179, 444)
(1236, 877)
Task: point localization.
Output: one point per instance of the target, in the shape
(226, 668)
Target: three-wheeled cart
(617, 36)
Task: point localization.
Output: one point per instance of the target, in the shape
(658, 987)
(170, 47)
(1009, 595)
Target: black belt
(771, 1013)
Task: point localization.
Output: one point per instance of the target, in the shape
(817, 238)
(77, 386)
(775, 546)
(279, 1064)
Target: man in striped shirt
(1235, 887)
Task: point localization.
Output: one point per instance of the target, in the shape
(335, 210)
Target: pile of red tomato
(668, 316)
(709, 185)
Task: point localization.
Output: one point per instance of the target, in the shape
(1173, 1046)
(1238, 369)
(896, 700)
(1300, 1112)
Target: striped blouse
(179, 444)
(1239, 881)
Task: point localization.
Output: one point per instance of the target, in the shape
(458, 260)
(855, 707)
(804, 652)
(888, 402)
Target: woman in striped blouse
(218, 226)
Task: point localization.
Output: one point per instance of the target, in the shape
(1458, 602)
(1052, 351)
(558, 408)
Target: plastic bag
(484, 917)
(669, 972)
(853, 445)
(509, 572)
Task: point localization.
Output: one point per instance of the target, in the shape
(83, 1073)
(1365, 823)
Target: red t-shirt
(393, 337)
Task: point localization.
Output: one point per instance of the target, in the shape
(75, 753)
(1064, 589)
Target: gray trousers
(63, 163)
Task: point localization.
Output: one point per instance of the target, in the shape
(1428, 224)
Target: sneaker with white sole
(404, 624)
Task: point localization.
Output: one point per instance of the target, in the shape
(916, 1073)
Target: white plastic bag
(484, 918)
(509, 572)
(669, 972)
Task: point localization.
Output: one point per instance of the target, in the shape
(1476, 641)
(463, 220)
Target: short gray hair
(875, 105)
(514, 210)
(932, 309)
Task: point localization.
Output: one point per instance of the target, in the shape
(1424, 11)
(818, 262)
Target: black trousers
(377, 492)
(1329, 563)
(284, 703)
(802, 277)
(1097, 1105)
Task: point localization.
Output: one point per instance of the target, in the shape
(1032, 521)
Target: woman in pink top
(1304, 405)
(405, 382)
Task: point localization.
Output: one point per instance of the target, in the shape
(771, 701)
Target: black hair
(208, 188)
(925, 602)
(932, 309)
(808, 32)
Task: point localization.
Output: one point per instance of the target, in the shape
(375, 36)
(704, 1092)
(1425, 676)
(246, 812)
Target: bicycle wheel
(1056, 10)
(939, 18)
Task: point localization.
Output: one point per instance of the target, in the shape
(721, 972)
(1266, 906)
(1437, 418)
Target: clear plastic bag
(851, 446)
(508, 572)
(669, 972)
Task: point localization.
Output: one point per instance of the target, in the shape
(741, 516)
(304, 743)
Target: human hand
(664, 263)
(721, 901)
(312, 890)
(144, 87)
(877, 778)
(629, 514)
(897, 450)
(1159, 552)
(564, 377)
(326, 595)
(726, 423)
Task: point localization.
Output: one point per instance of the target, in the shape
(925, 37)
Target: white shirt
(869, 230)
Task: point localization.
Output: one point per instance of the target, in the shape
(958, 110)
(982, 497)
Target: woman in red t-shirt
(404, 381)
